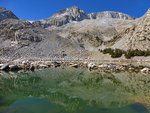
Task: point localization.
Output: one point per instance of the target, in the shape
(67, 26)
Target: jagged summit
(70, 9)
(71, 14)
(78, 14)
(74, 13)
(63, 17)
(6, 14)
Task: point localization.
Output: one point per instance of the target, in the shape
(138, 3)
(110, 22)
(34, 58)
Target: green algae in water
(71, 91)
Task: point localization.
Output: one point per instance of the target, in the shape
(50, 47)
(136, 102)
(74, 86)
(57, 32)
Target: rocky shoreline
(27, 65)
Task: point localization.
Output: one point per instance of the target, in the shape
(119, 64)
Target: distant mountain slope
(72, 32)
(75, 14)
(21, 39)
(110, 14)
(6, 14)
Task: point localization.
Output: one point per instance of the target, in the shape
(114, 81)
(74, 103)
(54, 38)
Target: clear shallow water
(74, 91)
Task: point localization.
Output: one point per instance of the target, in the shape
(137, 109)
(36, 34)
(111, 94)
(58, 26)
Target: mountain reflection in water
(34, 105)
(72, 90)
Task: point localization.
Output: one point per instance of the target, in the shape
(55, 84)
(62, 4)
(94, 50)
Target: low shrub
(116, 53)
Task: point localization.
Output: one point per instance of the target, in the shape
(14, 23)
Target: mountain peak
(74, 10)
(74, 13)
(64, 16)
(2, 8)
(71, 14)
(6, 14)
(74, 7)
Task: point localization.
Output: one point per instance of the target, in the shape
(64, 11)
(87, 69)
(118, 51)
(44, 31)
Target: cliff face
(137, 36)
(6, 14)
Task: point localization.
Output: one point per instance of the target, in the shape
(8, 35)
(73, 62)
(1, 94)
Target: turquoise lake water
(69, 90)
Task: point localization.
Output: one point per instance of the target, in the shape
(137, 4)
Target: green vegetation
(95, 40)
(136, 52)
(115, 38)
(116, 53)
(99, 40)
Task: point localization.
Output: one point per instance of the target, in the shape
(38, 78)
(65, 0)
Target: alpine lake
(72, 90)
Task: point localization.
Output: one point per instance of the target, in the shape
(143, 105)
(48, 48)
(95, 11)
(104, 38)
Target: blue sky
(40, 9)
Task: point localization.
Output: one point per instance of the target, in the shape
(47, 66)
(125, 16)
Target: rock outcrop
(137, 36)
(19, 31)
(6, 14)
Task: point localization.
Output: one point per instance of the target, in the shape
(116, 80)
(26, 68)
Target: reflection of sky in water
(71, 91)
(33, 105)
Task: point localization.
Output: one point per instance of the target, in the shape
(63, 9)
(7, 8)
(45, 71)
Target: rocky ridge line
(75, 14)
(6, 14)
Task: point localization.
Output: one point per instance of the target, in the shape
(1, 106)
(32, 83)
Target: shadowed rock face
(20, 31)
(10, 26)
(6, 14)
